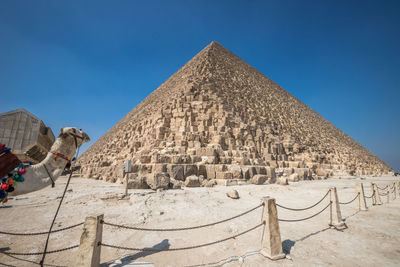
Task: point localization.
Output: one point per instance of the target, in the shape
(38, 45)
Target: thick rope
(182, 228)
(40, 253)
(312, 206)
(345, 203)
(382, 188)
(42, 233)
(183, 248)
(299, 220)
(373, 194)
(382, 195)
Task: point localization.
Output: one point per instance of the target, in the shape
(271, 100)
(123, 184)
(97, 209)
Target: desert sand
(371, 239)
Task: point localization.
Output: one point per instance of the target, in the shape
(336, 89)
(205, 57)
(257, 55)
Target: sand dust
(372, 237)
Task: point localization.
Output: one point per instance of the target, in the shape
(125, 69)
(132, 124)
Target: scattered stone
(283, 181)
(233, 194)
(211, 183)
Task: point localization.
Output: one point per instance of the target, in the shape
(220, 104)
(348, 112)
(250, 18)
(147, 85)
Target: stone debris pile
(218, 121)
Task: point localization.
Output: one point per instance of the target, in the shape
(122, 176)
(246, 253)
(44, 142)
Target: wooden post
(336, 215)
(377, 198)
(89, 250)
(271, 244)
(362, 205)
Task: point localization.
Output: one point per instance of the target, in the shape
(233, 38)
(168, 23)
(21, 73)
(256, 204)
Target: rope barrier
(307, 208)
(382, 195)
(42, 233)
(183, 248)
(345, 203)
(40, 253)
(180, 229)
(299, 220)
(373, 194)
(382, 188)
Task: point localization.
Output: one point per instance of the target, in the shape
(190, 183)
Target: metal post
(271, 239)
(89, 250)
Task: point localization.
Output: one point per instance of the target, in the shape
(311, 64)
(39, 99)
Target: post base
(339, 226)
(274, 257)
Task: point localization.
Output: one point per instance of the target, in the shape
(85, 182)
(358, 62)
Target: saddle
(8, 161)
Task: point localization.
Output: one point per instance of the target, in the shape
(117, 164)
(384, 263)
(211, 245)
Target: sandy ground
(372, 237)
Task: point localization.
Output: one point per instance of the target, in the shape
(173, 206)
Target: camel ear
(61, 130)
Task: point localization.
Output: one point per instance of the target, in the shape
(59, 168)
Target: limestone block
(293, 177)
(211, 183)
(293, 164)
(176, 184)
(283, 181)
(236, 171)
(158, 180)
(176, 172)
(190, 169)
(159, 168)
(288, 171)
(223, 175)
(233, 194)
(137, 182)
(192, 181)
(271, 174)
(206, 151)
(202, 170)
(259, 179)
(245, 172)
(145, 159)
(210, 171)
(321, 172)
(260, 170)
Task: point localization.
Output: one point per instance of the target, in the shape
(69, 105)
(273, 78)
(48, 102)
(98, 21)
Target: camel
(61, 153)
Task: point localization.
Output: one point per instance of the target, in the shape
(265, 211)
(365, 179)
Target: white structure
(26, 135)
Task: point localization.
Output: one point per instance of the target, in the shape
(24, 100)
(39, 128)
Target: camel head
(72, 132)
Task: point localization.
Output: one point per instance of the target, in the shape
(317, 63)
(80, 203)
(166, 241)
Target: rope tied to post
(307, 208)
(303, 219)
(39, 253)
(383, 188)
(42, 233)
(373, 194)
(345, 203)
(182, 228)
(183, 248)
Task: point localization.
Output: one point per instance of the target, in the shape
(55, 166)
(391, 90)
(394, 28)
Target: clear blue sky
(88, 63)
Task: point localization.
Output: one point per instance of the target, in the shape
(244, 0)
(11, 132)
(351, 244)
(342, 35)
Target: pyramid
(220, 119)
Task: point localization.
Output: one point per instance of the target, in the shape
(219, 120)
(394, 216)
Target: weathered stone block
(259, 179)
(158, 180)
(223, 175)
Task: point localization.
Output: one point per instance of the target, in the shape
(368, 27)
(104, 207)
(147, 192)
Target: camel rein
(61, 200)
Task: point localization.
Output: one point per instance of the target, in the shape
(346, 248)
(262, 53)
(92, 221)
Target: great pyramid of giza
(219, 118)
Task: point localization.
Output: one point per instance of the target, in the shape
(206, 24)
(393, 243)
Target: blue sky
(88, 63)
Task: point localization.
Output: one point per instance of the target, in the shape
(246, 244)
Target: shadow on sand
(130, 258)
(4, 252)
